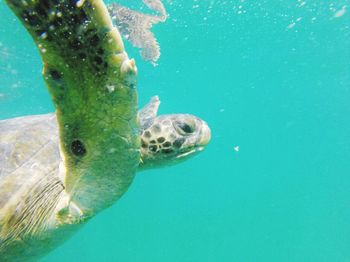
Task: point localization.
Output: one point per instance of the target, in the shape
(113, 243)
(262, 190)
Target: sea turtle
(46, 196)
(165, 139)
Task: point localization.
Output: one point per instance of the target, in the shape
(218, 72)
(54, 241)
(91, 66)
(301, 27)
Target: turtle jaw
(187, 153)
(192, 152)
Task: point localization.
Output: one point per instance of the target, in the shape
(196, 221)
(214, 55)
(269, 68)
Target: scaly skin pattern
(92, 83)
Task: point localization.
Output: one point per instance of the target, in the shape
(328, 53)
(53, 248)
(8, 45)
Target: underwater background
(272, 79)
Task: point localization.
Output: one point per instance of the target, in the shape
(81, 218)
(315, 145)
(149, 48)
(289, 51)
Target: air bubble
(111, 88)
(340, 12)
(43, 35)
(80, 3)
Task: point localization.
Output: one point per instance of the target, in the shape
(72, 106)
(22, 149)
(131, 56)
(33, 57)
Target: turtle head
(169, 139)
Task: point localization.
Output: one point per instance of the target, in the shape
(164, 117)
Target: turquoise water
(269, 77)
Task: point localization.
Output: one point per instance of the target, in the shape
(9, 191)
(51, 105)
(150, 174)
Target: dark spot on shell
(71, 4)
(75, 45)
(40, 10)
(100, 51)
(66, 34)
(98, 60)
(153, 148)
(82, 56)
(55, 75)
(94, 40)
(148, 134)
(178, 142)
(57, 22)
(167, 144)
(167, 151)
(78, 148)
(30, 18)
(161, 139)
(152, 141)
(143, 143)
(45, 4)
(156, 128)
(83, 16)
(74, 19)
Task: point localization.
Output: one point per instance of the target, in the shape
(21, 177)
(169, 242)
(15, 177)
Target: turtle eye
(184, 128)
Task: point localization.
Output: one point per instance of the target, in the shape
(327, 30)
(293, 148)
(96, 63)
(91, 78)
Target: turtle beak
(205, 135)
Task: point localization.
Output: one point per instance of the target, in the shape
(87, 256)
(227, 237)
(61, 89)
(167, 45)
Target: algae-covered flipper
(93, 85)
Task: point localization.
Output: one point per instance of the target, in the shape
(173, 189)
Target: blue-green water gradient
(270, 77)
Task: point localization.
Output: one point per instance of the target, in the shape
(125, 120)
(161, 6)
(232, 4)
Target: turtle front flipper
(149, 112)
(92, 83)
